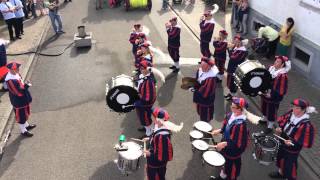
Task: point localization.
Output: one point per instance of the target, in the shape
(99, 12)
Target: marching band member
(147, 93)
(238, 54)
(136, 37)
(270, 101)
(206, 26)
(234, 139)
(295, 126)
(20, 98)
(220, 52)
(204, 95)
(161, 150)
(146, 53)
(173, 31)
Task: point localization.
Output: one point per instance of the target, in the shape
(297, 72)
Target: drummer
(173, 30)
(271, 100)
(238, 54)
(234, 139)
(295, 126)
(220, 52)
(161, 150)
(136, 37)
(147, 94)
(145, 51)
(204, 95)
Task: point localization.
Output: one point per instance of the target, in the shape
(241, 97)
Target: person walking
(20, 98)
(7, 10)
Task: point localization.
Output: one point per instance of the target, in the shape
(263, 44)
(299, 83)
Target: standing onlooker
(19, 14)
(234, 15)
(243, 16)
(285, 37)
(33, 5)
(55, 16)
(165, 4)
(40, 6)
(7, 10)
(25, 9)
(20, 98)
(271, 34)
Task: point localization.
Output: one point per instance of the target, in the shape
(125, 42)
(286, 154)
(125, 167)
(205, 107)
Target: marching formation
(294, 131)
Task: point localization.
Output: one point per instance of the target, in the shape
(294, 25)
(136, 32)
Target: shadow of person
(165, 93)
(110, 171)
(9, 154)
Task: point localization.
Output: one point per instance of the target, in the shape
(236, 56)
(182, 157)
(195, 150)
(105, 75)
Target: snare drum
(195, 134)
(129, 161)
(252, 77)
(213, 162)
(205, 128)
(122, 94)
(199, 146)
(265, 149)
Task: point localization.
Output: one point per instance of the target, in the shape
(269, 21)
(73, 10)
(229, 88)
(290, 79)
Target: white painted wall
(307, 19)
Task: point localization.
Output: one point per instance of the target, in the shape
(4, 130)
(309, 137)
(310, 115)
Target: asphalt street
(76, 132)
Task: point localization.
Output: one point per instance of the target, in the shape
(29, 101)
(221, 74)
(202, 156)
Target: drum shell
(197, 152)
(128, 166)
(265, 155)
(211, 169)
(123, 85)
(252, 77)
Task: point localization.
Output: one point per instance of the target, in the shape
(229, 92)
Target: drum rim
(133, 143)
(277, 143)
(199, 140)
(196, 131)
(218, 154)
(202, 122)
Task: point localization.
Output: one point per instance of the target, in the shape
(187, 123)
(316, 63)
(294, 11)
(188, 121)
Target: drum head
(134, 151)
(213, 158)
(268, 142)
(118, 98)
(200, 145)
(196, 134)
(202, 126)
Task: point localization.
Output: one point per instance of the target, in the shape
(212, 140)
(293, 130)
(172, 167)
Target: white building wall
(307, 18)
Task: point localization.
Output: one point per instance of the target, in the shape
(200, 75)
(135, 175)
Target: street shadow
(165, 93)
(9, 154)
(110, 171)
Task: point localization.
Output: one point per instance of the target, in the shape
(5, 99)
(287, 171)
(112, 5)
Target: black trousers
(272, 48)
(20, 24)
(12, 23)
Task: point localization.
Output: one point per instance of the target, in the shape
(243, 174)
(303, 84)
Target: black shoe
(27, 134)
(172, 67)
(142, 137)
(31, 126)
(142, 129)
(215, 178)
(12, 39)
(22, 33)
(176, 70)
(276, 175)
(267, 131)
(228, 97)
(18, 37)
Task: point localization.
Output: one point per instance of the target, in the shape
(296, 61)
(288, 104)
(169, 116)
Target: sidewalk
(298, 86)
(33, 32)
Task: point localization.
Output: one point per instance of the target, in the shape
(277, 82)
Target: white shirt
(4, 6)
(19, 8)
(233, 118)
(204, 75)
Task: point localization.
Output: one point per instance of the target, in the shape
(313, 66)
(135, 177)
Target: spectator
(271, 34)
(55, 16)
(25, 9)
(19, 14)
(243, 16)
(32, 5)
(40, 6)
(285, 37)
(234, 15)
(7, 10)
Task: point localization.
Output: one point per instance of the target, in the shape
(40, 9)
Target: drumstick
(139, 140)
(206, 132)
(214, 146)
(283, 139)
(144, 149)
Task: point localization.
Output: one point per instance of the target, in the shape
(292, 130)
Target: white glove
(191, 89)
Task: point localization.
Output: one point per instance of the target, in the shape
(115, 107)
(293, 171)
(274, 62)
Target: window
(302, 56)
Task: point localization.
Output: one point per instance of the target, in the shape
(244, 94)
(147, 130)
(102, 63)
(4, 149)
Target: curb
(24, 74)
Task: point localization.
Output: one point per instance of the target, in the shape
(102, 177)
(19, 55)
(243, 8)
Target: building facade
(305, 48)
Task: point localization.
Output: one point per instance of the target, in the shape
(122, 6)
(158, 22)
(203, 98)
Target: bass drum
(122, 94)
(252, 77)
